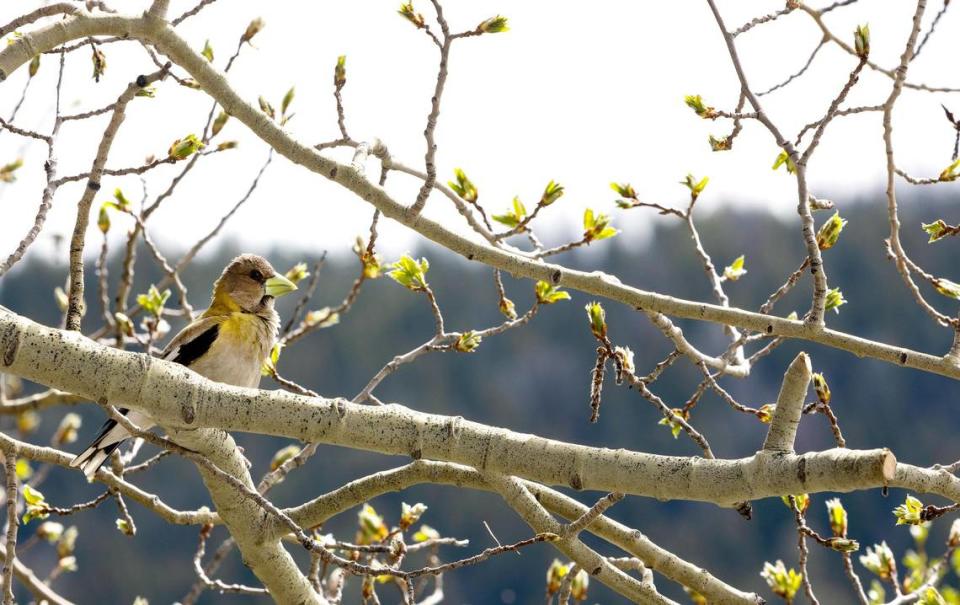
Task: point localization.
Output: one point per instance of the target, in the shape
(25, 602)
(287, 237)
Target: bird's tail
(91, 459)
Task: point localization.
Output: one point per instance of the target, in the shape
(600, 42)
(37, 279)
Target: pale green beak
(278, 285)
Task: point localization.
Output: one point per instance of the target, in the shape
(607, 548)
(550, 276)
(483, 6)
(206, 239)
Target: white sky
(584, 93)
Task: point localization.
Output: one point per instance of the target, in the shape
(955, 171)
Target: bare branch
(786, 416)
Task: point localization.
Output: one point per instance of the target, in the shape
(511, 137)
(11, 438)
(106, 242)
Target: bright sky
(584, 93)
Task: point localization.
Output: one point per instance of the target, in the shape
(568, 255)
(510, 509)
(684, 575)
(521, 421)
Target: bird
(227, 343)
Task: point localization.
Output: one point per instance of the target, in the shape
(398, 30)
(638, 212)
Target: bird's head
(249, 284)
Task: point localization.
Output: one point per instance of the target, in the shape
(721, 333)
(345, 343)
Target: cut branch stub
(786, 416)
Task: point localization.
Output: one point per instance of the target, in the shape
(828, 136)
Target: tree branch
(177, 397)
(786, 416)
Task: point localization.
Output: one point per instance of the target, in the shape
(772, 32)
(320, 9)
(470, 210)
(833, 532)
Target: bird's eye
(255, 275)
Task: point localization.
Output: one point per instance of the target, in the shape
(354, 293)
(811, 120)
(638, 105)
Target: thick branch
(177, 397)
(245, 518)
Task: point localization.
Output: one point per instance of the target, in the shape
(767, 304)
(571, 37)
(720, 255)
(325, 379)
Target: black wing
(190, 351)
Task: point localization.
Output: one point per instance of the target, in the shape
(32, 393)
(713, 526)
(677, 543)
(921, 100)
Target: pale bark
(523, 501)
(786, 416)
(177, 397)
(322, 508)
(246, 520)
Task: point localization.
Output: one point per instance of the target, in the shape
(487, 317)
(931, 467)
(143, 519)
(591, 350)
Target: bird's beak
(278, 285)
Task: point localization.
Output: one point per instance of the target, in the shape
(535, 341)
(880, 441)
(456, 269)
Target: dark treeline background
(536, 380)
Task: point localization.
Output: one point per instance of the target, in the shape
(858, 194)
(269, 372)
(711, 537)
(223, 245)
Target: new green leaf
(409, 273)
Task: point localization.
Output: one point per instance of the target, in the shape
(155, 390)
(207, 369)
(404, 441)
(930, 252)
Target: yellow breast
(235, 357)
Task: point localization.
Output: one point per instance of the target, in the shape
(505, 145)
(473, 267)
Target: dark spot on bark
(595, 572)
(802, 471)
(903, 358)
(470, 257)
(769, 329)
(576, 481)
(333, 172)
(142, 80)
(416, 454)
(555, 277)
(3, 75)
(92, 184)
(11, 341)
(187, 412)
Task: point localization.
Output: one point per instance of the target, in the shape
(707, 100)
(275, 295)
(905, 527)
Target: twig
(76, 508)
(46, 201)
(431, 152)
(130, 528)
(10, 468)
(481, 556)
(579, 524)
(102, 288)
(217, 585)
(76, 303)
(933, 26)
(212, 566)
(193, 11)
(761, 20)
(142, 169)
(669, 414)
(796, 75)
(903, 263)
(162, 261)
(192, 252)
(817, 16)
(307, 295)
(854, 579)
(130, 470)
(832, 110)
(711, 381)
(45, 11)
(306, 327)
(802, 547)
(803, 208)
(561, 249)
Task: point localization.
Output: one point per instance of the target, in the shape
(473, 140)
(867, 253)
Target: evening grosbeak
(227, 343)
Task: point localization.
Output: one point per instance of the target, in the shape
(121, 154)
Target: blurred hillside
(536, 379)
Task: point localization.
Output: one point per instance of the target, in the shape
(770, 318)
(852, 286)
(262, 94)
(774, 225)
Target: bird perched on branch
(227, 343)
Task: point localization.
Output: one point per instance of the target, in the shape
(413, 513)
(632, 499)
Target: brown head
(249, 284)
